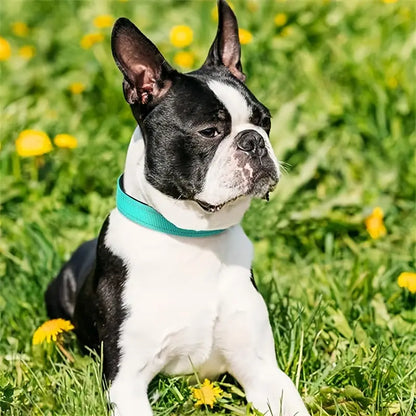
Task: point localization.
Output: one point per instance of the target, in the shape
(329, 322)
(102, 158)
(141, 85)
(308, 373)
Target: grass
(339, 80)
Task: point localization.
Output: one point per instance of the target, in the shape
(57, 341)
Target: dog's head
(205, 135)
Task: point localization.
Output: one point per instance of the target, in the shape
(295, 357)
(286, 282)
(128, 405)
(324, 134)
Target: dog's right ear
(226, 48)
(147, 75)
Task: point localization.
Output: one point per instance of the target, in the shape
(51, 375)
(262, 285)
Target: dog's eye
(210, 132)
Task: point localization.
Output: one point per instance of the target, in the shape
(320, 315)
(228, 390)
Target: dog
(167, 287)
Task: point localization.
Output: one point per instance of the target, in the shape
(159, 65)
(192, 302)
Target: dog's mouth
(215, 208)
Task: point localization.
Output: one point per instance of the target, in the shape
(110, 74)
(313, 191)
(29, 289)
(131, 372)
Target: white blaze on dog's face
(244, 163)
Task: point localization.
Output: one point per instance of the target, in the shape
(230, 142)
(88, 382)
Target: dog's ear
(147, 75)
(226, 48)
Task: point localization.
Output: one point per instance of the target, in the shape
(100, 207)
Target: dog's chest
(174, 294)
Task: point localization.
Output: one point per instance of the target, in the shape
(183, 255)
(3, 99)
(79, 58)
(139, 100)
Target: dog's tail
(60, 297)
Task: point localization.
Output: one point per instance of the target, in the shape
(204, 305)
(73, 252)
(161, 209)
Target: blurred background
(335, 246)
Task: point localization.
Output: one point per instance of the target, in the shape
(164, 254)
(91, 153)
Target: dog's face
(206, 135)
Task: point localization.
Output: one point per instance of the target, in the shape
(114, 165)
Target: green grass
(340, 84)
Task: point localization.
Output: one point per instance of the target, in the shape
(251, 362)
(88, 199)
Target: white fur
(225, 179)
(194, 308)
(234, 101)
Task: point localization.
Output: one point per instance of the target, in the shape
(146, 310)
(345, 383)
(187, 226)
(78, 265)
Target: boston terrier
(167, 287)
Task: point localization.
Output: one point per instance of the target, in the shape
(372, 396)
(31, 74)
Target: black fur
(253, 281)
(62, 291)
(99, 312)
(87, 291)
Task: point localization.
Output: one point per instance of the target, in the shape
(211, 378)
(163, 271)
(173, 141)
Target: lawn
(339, 79)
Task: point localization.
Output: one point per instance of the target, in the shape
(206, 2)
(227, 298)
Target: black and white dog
(167, 287)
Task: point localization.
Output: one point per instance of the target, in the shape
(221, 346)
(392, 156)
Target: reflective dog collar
(148, 217)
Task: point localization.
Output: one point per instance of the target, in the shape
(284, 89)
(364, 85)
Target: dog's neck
(184, 214)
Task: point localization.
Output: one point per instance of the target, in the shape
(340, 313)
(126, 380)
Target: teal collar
(148, 217)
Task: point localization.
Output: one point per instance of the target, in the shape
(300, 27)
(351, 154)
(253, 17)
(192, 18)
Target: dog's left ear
(147, 75)
(226, 49)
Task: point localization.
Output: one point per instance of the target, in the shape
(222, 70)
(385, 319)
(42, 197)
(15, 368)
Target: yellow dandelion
(91, 39)
(280, 19)
(103, 21)
(184, 59)
(77, 88)
(389, 1)
(5, 49)
(27, 52)
(181, 36)
(50, 330)
(20, 29)
(374, 223)
(407, 280)
(65, 141)
(33, 143)
(245, 36)
(206, 394)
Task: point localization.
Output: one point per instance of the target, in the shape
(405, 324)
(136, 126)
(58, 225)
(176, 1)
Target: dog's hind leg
(61, 294)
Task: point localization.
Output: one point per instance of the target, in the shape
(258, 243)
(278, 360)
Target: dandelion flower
(91, 39)
(184, 59)
(20, 29)
(280, 19)
(27, 52)
(77, 88)
(407, 280)
(50, 330)
(374, 223)
(389, 1)
(65, 141)
(103, 21)
(33, 143)
(181, 36)
(206, 394)
(245, 36)
(5, 49)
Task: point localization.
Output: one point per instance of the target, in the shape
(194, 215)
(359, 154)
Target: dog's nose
(252, 142)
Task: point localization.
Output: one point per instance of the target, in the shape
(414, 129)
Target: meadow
(332, 244)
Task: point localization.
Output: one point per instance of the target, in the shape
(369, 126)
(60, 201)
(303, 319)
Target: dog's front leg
(252, 362)
(246, 340)
(272, 392)
(128, 396)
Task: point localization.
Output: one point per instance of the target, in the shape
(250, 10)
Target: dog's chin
(261, 191)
